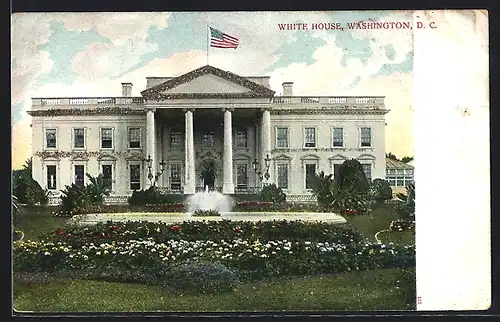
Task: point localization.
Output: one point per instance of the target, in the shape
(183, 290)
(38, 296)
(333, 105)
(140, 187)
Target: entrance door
(241, 176)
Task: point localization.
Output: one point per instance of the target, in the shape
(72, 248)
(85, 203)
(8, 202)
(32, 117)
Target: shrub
(206, 213)
(402, 225)
(405, 204)
(34, 193)
(406, 285)
(198, 277)
(271, 193)
(74, 200)
(150, 196)
(97, 189)
(323, 189)
(351, 177)
(380, 190)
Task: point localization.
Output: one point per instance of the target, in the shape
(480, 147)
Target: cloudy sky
(90, 54)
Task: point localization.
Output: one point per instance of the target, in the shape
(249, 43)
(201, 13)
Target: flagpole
(208, 39)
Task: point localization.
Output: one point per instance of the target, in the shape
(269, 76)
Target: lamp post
(267, 163)
(154, 177)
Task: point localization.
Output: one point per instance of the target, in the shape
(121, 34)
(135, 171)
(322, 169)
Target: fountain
(209, 200)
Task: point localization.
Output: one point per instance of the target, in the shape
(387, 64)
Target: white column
(190, 180)
(150, 145)
(228, 186)
(265, 141)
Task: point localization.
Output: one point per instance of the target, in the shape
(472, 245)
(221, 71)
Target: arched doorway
(208, 173)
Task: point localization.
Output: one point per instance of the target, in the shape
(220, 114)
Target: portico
(226, 139)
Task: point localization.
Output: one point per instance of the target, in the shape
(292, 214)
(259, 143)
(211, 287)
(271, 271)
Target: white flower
(98, 253)
(46, 254)
(263, 255)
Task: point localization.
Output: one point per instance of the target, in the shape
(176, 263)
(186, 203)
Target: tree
(391, 156)
(406, 159)
(351, 177)
(323, 186)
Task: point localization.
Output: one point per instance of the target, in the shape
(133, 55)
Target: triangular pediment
(207, 82)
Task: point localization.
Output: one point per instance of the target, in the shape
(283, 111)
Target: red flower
(59, 232)
(175, 227)
(237, 229)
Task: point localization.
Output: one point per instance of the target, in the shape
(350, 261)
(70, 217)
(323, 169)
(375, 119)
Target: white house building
(208, 127)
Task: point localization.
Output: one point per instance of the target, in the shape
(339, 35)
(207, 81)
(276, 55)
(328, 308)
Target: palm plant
(16, 206)
(323, 187)
(97, 189)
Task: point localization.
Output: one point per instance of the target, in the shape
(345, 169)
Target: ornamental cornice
(333, 110)
(88, 111)
(85, 155)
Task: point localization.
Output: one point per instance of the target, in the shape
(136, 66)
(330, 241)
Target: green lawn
(34, 222)
(373, 290)
(379, 219)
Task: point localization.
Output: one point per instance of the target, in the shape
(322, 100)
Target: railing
(328, 99)
(88, 101)
(168, 191)
(237, 190)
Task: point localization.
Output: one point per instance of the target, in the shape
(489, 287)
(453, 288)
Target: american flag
(219, 39)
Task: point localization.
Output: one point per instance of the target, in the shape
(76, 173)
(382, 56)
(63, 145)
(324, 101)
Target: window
(282, 174)
(51, 138)
(51, 177)
(310, 137)
(78, 138)
(282, 137)
(175, 139)
(135, 177)
(80, 175)
(338, 137)
(366, 137)
(241, 138)
(208, 140)
(107, 175)
(134, 138)
(367, 169)
(106, 138)
(241, 176)
(310, 169)
(175, 176)
(399, 177)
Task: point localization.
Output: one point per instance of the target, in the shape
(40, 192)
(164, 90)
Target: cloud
(119, 28)
(127, 33)
(100, 60)
(28, 32)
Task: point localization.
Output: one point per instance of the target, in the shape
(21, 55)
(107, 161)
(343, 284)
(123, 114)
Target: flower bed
(206, 230)
(400, 225)
(149, 259)
(244, 206)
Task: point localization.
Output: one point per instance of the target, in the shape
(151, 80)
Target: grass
(34, 222)
(379, 219)
(373, 290)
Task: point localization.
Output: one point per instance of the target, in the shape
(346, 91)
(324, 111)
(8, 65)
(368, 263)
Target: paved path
(177, 218)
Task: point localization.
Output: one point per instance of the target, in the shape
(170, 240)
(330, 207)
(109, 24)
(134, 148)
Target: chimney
(127, 89)
(287, 89)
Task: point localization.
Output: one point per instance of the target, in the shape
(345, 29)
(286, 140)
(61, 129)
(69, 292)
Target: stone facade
(209, 127)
